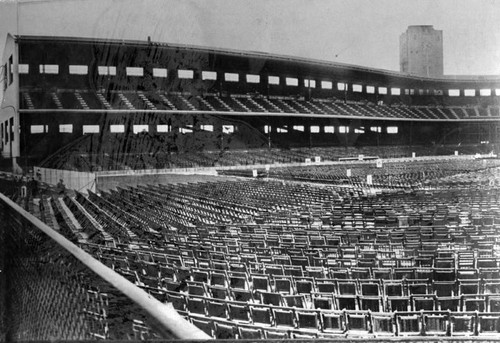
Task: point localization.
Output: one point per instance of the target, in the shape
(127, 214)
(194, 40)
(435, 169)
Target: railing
(51, 289)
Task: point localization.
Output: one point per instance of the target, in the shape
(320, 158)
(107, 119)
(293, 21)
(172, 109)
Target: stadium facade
(74, 94)
(387, 250)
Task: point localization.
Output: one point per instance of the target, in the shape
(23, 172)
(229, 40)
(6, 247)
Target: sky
(359, 32)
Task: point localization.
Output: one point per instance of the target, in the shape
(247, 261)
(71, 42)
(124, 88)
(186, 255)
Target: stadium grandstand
(161, 191)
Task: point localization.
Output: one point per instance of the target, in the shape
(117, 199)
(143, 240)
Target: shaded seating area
(184, 101)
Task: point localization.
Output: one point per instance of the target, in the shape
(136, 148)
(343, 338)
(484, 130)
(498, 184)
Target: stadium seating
(117, 152)
(184, 101)
(269, 258)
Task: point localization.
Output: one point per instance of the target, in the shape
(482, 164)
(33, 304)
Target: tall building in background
(421, 51)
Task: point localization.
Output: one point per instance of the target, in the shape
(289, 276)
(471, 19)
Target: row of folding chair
(409, 281)
(130, 259)
(289, 284)
(392, 297)
(284, 264)
(337, 238)
(417, 302)
(312, 258)
(320, 235)
(285, 323)
(331, 258)
(336, 301)
(432, 274)
(342, 235)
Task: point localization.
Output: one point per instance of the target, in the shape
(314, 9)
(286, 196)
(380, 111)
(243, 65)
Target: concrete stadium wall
(213, 170)
(122, 178)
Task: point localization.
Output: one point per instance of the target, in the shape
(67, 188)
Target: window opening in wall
(23, 68)
(209, 128)
(37, 129)
(314, 129)
(267, 128)
(359, 130)
(134, 71)
(357, 88)
(106, 70)
(382, 90)
(273, 80)
(11, 69)
(253, 78)
(298, 128)
(344, 129)
(485, 92)
(329, 129)
(11, 123)
(283, 129)
(163, 128)
(309, 83)
(140, 128)
(90, 129)
(453, 92)
(395, 91)
(187, 129)
(78, 69)
(66, 128)
(49, 69)
(469, 92)
(231, 77)
(326, 85)
(392, 129)
(370, 89)
(159, 72)
(208, 75)
(291, 81)
(117, 128)
(376, 129)
(341, 86)
(228, 129)
(4, 77)
(185, 74)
